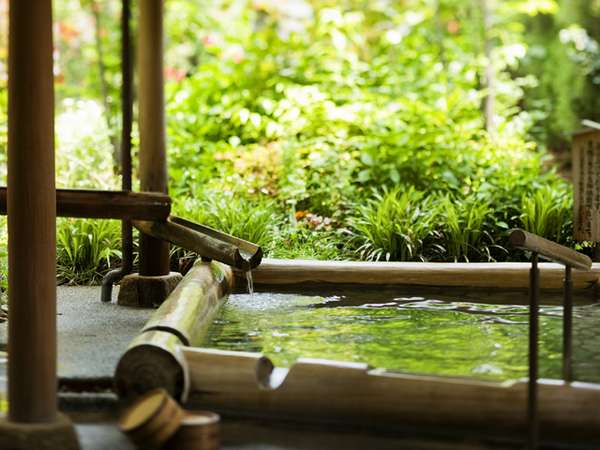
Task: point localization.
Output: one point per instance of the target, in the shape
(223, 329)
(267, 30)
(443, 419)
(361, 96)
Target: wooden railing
(550, 250)
(538, 246)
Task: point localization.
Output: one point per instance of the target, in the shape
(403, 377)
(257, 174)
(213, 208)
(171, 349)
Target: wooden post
(31, 215)
(154, 253)
(33, 417)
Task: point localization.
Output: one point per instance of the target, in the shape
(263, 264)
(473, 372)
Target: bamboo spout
(207, 242)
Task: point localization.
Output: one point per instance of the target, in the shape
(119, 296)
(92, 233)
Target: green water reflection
(418, 335)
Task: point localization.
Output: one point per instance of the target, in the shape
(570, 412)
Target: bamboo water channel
(166, 355)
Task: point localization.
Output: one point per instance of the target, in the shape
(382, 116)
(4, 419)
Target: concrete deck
(91, 335)
(91, 338)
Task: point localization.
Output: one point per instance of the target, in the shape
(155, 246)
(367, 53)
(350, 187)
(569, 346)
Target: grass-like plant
(85, 249)
(299, 243)
(394, 225)
(462, 227)
(547, 212)
(253, 221)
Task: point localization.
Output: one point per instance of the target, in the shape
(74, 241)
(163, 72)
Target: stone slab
(59, 434)
(147, 292)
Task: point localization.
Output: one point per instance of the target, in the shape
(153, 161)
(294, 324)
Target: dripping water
(250, 282)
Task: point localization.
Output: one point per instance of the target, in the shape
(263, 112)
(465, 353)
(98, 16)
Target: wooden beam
(106, 204)
(154, 253)
(478, 275)
(31, 205)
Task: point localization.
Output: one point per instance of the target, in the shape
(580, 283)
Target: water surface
(408, 333)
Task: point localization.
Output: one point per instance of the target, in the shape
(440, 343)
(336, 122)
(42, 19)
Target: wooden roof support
(32, 214)
(33, 417)
(154, 253)
(107, 204)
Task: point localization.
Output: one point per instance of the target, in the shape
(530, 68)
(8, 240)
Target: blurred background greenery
(347, 129)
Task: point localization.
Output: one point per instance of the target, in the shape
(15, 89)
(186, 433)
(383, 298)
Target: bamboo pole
(189, 310)
(153, 359)
(31, 215)
(352, 393)
(205, 241)
(154, 253)
(248, 251)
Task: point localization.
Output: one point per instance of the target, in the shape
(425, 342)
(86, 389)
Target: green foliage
(284, 120)
(84, 153)
(85, 248)
(252, 221)
(563, 54)
(394, 226)
(300, 242)
(463, 228)
(548, 213)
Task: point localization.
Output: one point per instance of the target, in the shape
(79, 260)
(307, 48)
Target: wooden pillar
(31, 215)
(154, 253)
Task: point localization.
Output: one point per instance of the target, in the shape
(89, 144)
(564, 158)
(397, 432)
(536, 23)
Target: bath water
(407, 332)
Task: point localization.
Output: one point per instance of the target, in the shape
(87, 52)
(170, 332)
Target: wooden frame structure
(32, 203)
(154, 253)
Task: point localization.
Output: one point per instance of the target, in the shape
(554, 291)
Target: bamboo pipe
(550, 250)
(191, 307)
(212, 245)
(154, 358)
(247, 251)
(154, 253)
(32, 214)
(234, 372)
